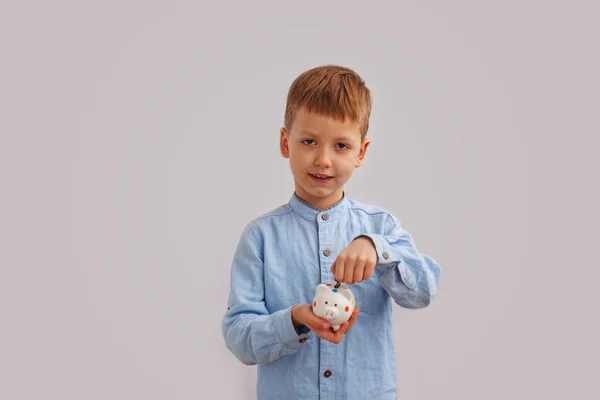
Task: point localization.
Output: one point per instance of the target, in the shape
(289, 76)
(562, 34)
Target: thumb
(318, 321)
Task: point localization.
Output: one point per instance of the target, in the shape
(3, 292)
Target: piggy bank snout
(330, 312)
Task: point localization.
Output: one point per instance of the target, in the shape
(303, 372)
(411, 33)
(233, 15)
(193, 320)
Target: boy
(321, 236)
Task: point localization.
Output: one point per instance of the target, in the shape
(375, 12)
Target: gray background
(139, 137)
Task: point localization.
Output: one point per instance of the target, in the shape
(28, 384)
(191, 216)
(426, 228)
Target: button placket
(325, 234)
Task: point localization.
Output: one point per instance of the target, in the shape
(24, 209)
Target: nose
(323, 158)
(331, 312)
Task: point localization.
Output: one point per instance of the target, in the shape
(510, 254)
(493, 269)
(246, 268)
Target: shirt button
(325, 217)
(327, 374)
(302, 340)
(385, 255)
(326, 253)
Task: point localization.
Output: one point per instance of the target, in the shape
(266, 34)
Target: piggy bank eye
(326, 303)
(335, 305)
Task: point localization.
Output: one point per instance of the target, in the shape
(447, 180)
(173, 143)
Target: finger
(339, 335)
(328, 334)
(359, 270)
(318, 329)
(353, 316)
(332, 269)
(339, 269)
(313, 321)
(344, 327)
(318, 322)
(352, 319)
(369, 269)
(325, 334)
(349, 270)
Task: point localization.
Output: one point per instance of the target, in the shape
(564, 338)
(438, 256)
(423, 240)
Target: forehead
(307, 123)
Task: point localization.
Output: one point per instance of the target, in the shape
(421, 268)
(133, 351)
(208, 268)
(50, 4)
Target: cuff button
(385, 255)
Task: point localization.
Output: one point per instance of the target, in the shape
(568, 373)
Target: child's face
(319, 145)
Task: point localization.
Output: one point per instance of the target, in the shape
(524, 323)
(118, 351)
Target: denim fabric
(279, 261)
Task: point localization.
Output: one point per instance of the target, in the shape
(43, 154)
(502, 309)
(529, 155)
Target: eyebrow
(344, 138)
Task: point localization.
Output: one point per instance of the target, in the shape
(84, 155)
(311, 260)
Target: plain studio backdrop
(139, 137)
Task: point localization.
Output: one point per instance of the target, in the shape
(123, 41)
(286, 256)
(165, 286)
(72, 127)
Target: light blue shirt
(279, 261)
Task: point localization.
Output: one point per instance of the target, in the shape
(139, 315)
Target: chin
(321, 193)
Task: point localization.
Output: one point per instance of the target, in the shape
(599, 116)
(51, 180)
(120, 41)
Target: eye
(335, 305)
(326, 303)
(308, 140)
(344, 146)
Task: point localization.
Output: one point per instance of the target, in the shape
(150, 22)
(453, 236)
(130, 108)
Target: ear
(363, 151)
(283, 143)
(347, 294)
(322, 288)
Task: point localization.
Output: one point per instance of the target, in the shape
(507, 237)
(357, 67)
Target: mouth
(321, 177)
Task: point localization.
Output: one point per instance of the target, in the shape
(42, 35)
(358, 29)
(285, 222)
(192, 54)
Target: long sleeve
(411, 278)
(252, 334)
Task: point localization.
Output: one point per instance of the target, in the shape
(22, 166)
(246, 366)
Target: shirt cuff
(302, 330)
(387, 257)
(285, 331)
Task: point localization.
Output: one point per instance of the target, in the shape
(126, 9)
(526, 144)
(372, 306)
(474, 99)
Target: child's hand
(356, 262)
(302, 314)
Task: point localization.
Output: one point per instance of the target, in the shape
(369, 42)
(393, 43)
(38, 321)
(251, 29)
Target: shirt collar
(311, 213)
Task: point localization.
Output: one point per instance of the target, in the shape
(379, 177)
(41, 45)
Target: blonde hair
(330, 90)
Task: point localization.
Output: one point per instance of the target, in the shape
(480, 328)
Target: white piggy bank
(333, 304)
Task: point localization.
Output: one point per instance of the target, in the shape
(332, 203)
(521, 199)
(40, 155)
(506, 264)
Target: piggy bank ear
(347, 294)
(322, 288)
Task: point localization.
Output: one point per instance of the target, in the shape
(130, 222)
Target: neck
(321, 203)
